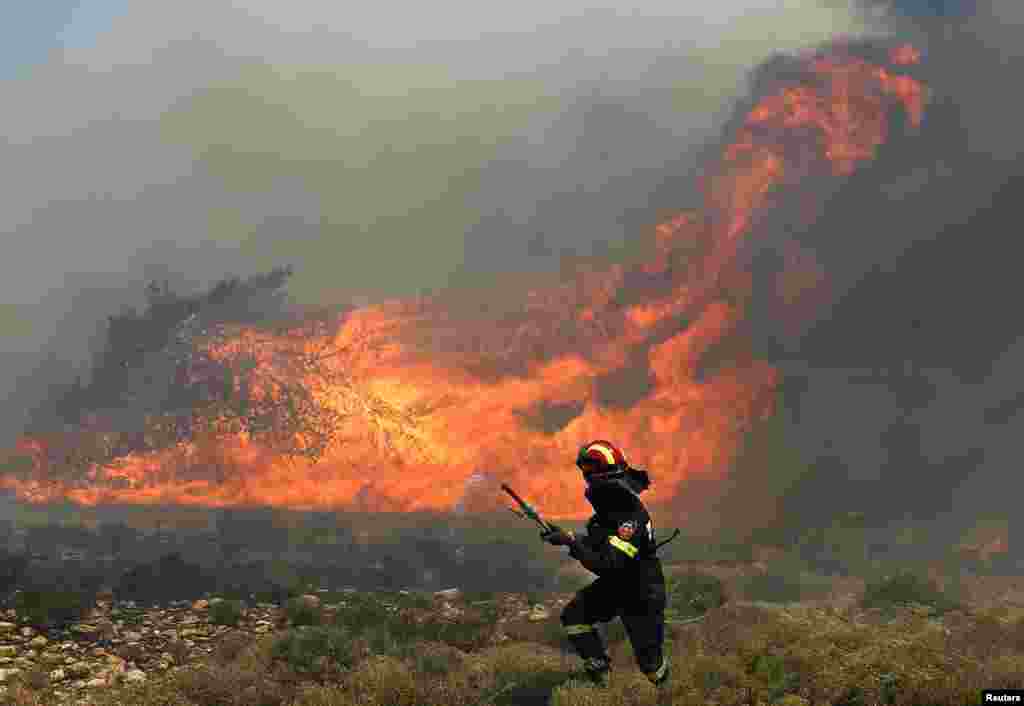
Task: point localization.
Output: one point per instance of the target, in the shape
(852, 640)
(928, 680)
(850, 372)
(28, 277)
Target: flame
(653, 357)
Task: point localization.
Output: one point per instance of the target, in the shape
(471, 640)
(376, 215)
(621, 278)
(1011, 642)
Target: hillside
(840, 642)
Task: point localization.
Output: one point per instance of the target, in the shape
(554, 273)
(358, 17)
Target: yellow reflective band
(655, 676)
(624, 546)
(578, 629)
(609, 457)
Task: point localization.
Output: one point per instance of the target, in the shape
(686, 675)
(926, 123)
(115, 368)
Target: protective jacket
(620, 541)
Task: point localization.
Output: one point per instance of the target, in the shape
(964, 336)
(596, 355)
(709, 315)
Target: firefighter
(619, 547)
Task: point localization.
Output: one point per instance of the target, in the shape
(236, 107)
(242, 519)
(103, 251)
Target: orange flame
(635, 354)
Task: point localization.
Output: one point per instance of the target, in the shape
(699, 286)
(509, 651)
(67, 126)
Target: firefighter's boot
(588, 645)
(598, 671)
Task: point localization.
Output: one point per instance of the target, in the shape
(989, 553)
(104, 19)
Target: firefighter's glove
(558, 536)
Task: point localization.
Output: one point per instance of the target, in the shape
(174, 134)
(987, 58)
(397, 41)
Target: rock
(133, 676)
(7, 628)
(78, 670)
(6, 674)
(96, 684)
(449, 594)
(201, 605)
(450, 612)
(8, 650)
(38, 642)
(538, 614)
(58, 674)
(310, 601)
(133, 636)
(27, 632)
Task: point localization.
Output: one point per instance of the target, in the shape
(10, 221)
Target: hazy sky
(340, 139)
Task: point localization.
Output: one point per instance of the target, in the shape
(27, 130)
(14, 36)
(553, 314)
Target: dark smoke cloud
(903, 395)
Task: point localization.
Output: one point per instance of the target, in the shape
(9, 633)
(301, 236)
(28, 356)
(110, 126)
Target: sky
(31, 33)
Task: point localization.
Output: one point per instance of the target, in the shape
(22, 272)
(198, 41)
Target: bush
(301, 612)
(303, 649)
(906, 589)
(437, 659)
(692, 594)
(771, 671)
(361, 612)
(415, 600)
(222, 686)
(226, 613)
(44, 608)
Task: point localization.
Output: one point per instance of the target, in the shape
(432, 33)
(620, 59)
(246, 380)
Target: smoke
(902, 393)
(381, 152)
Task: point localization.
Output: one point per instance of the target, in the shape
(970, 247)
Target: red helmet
(601, 459)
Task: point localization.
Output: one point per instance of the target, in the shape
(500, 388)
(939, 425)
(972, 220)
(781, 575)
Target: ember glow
(438, 392)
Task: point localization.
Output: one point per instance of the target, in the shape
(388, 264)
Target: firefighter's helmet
(601, 459)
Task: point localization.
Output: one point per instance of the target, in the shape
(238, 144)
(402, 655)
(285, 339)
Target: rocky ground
(119, 643)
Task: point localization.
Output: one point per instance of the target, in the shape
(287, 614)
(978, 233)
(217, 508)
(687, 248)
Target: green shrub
(362, 611)
(415, 600)
(438, 661)
(130, 616)
(906, 589)
(771, 671)
(226, 613)
(463, 634)
(692, 594)
(302, 649)
(42, 608)
(301, 612)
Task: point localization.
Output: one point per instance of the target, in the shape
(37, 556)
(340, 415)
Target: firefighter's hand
(558, 536)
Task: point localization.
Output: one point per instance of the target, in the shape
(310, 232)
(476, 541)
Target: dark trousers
(642, 609)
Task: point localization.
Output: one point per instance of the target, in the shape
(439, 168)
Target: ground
(505, 650)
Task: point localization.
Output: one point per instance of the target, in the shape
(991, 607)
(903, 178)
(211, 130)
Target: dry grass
(830, 652)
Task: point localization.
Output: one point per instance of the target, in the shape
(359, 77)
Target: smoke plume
(379, 157)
